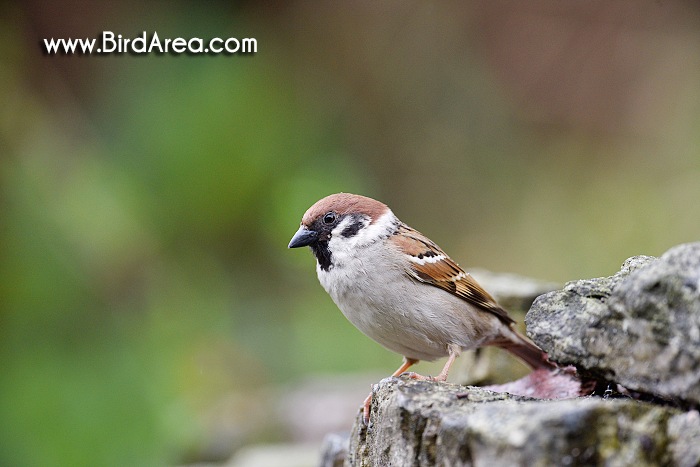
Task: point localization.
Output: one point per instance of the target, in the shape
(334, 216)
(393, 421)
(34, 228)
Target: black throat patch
(322, 254)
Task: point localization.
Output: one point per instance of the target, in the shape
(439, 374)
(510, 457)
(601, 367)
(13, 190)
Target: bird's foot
(366, 405)
(416, 376)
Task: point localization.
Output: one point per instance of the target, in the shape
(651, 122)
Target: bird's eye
(329, 218)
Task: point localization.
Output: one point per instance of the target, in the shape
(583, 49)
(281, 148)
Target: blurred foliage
(147, 201)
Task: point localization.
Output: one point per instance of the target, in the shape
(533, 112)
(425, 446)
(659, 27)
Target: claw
(416, 376)
(365, 409)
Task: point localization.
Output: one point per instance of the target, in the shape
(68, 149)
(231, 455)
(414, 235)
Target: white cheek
(341, 246)
(344, 249)
(345, 223)
(367, 234)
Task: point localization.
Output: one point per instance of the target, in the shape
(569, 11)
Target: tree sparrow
(399, 288)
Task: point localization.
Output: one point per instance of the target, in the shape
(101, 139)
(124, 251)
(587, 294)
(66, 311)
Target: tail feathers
(526, 351)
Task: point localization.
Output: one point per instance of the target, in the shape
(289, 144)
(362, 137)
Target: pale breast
(408, 317)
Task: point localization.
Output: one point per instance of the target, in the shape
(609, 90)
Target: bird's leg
(453, 351)
(407, 363)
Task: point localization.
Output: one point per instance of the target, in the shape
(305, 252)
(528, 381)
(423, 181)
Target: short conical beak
(303, 237)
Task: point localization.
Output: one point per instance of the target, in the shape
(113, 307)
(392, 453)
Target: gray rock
(334, 449)
(639, 328)
(418, 423)
(684, 433)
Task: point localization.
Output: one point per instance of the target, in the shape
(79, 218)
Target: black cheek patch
(352, 229)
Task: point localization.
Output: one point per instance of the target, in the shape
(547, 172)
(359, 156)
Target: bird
(401, 289)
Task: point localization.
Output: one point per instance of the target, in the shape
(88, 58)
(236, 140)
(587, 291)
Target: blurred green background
(150, 310)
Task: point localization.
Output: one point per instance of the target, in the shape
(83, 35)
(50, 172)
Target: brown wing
(430, 265)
